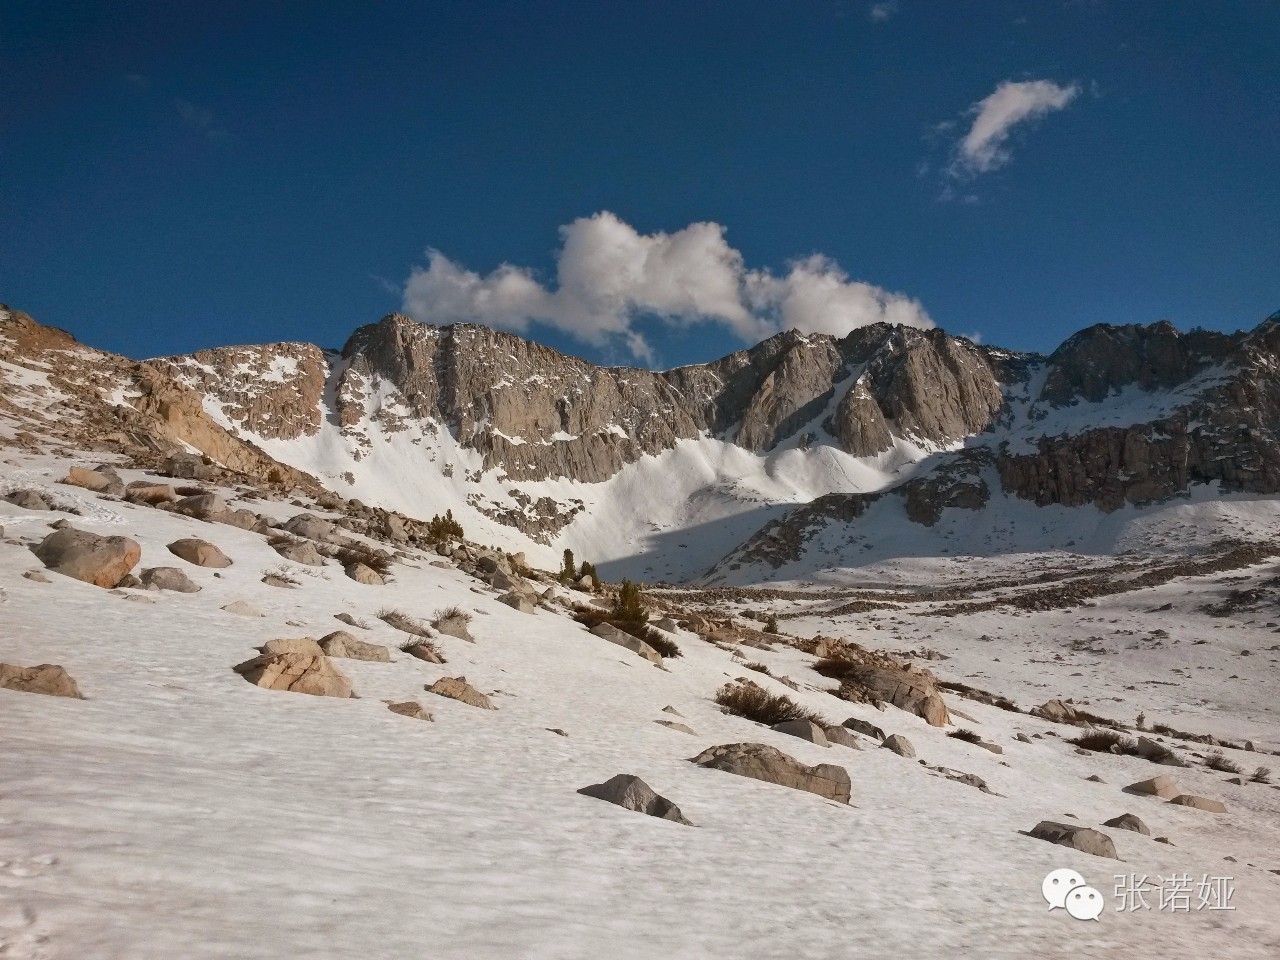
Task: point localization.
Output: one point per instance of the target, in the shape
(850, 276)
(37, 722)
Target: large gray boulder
(632, 793)
(805, 730)
(203, 506)
(1084, 839)
(47, 678)
(843, 737)
(342, 644)
(301, 551)
(202, 553)
(607, 631)
(363, 574)
(899, 745)
(310, 526)
(101, 561)
(763, 762)
(168, 578)
(296, 673)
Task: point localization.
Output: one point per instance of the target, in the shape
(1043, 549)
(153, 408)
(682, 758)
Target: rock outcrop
(762, 762)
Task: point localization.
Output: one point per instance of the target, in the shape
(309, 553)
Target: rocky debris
(342, 644)
(101, 561)
(28, 500)
(454, 627)
(523, 602)
(968, 779)
(47, 678)
(310, 527)
(168, 578)
(1199, 803)
(202, 553)
(299, 551)
(243, 608)
(899, 745)
(457, 688)
(804, 729)
(841, 736)
(297, 673)
(187, 467)
(1161, 786)
(607, 631)
(1084, 839)
(1129, 821)
(1056, 711)
(910, 688)
(362, 574)
(302, 645)
(677, 725)
(989, 746)
(632, 793)
(864, 728)
(762, 762)
(103, 480)
(202, 506)
(410, 708)
(672, 710)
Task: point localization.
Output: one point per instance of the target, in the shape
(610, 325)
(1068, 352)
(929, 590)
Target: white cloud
(985, 147)
(608, 275)
(880, 12)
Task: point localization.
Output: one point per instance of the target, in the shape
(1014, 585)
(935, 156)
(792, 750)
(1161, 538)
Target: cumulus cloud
(608, 275)
(880, 12)
(985, 147)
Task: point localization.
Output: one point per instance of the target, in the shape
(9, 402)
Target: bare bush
(756, 703)
(402, 621)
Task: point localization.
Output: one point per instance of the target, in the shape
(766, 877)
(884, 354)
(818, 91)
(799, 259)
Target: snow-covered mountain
(746, 461)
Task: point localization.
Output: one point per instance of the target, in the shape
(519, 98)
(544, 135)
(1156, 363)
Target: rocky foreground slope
(537, 447)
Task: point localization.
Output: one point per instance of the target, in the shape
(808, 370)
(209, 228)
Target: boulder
(454, 627)
(804, 729)
(913, 689)
(632, 793)
(296, 673)
(27, 500)
(493, 563)
(47, 678)
(362, 574)
(1084, 839)
(37, 576)
(310, 526)
(187, 466)
(1056, 711)
(842, 736)
(457, 688)
(349, 620)
(899, 745)
(102, 561)
(410, 708)
(302, 551)
(1199, 803)
(665, 623)
(864, 728)
(1022, 738)
(306, 646)
(243, 608)
(607, 631)
(202, 506)
(676, 725)
(423, 650)
(143, 491)
(1162, 787)
(342, 644)
(762, 762)
(95, 481)
(519, 601)
(243, 519)
(1128, 821)
(168, 578)
(1157, 753)
(202, 553)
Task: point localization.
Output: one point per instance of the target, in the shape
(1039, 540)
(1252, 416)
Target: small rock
(306, 646)
(457, 688)
(243, 608)
(864, 728)
(1022, 738)
(607, 631)
(632, 793)
(841, 736)
(899, 745)
(557, 731)
(672, 710)
(363, 574)
(202, 553)
(1083, 839)
(47, 678)
(762, 762)
(342, 644)
(302, 551)
(1129, 821)
(804, 729)
(37, 576)
(1199, 803)
(676, 725)
(410, 708)
(1162, 787)
(27, 500)
(296, 673)
(168, 578)
(519, 601)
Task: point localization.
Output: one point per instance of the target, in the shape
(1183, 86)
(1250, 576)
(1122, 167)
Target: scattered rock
(200, 552)
(1083, 839)
(1199, 803)
(310, 526)
(457, 688)
(557, 731)
(423, 651)
(272, 580)
(349, 620)
(841, 736)
(664, 623)
(1150, 750)
(672, 710)
(804, 729)
(632, 793)
(1022, 738)
(47, 678)
(1162, 787)
(410, 708)
(306, 646)
(203, 506)
(37, 576)
(455, 627)
(300, 551)
(296, 673)
(95, 481)
(899, 745)
(1056, 711)
(1094, 778)
(762, 762)
(243, 608)
(607, 631)
(27, 500)
(1129, 821)
(519, 601)
(676, 725)
(864, 728)
(168, 578)
(342, 644)
(101, 561)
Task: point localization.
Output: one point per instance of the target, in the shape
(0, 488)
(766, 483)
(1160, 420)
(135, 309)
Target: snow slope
(181, 812)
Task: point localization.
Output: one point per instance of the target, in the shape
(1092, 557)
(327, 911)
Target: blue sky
(663, 181)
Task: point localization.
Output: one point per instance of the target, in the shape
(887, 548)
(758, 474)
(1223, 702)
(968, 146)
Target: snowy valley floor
(180, 812)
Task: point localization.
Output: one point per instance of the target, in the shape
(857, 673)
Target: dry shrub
(1261, 775)
(376, 562)
(450, 613)
(1105, 741)
(591, 617)
(1216, 761)
(402, 621)
(968, 736)
(756, 703)
(757, 667)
